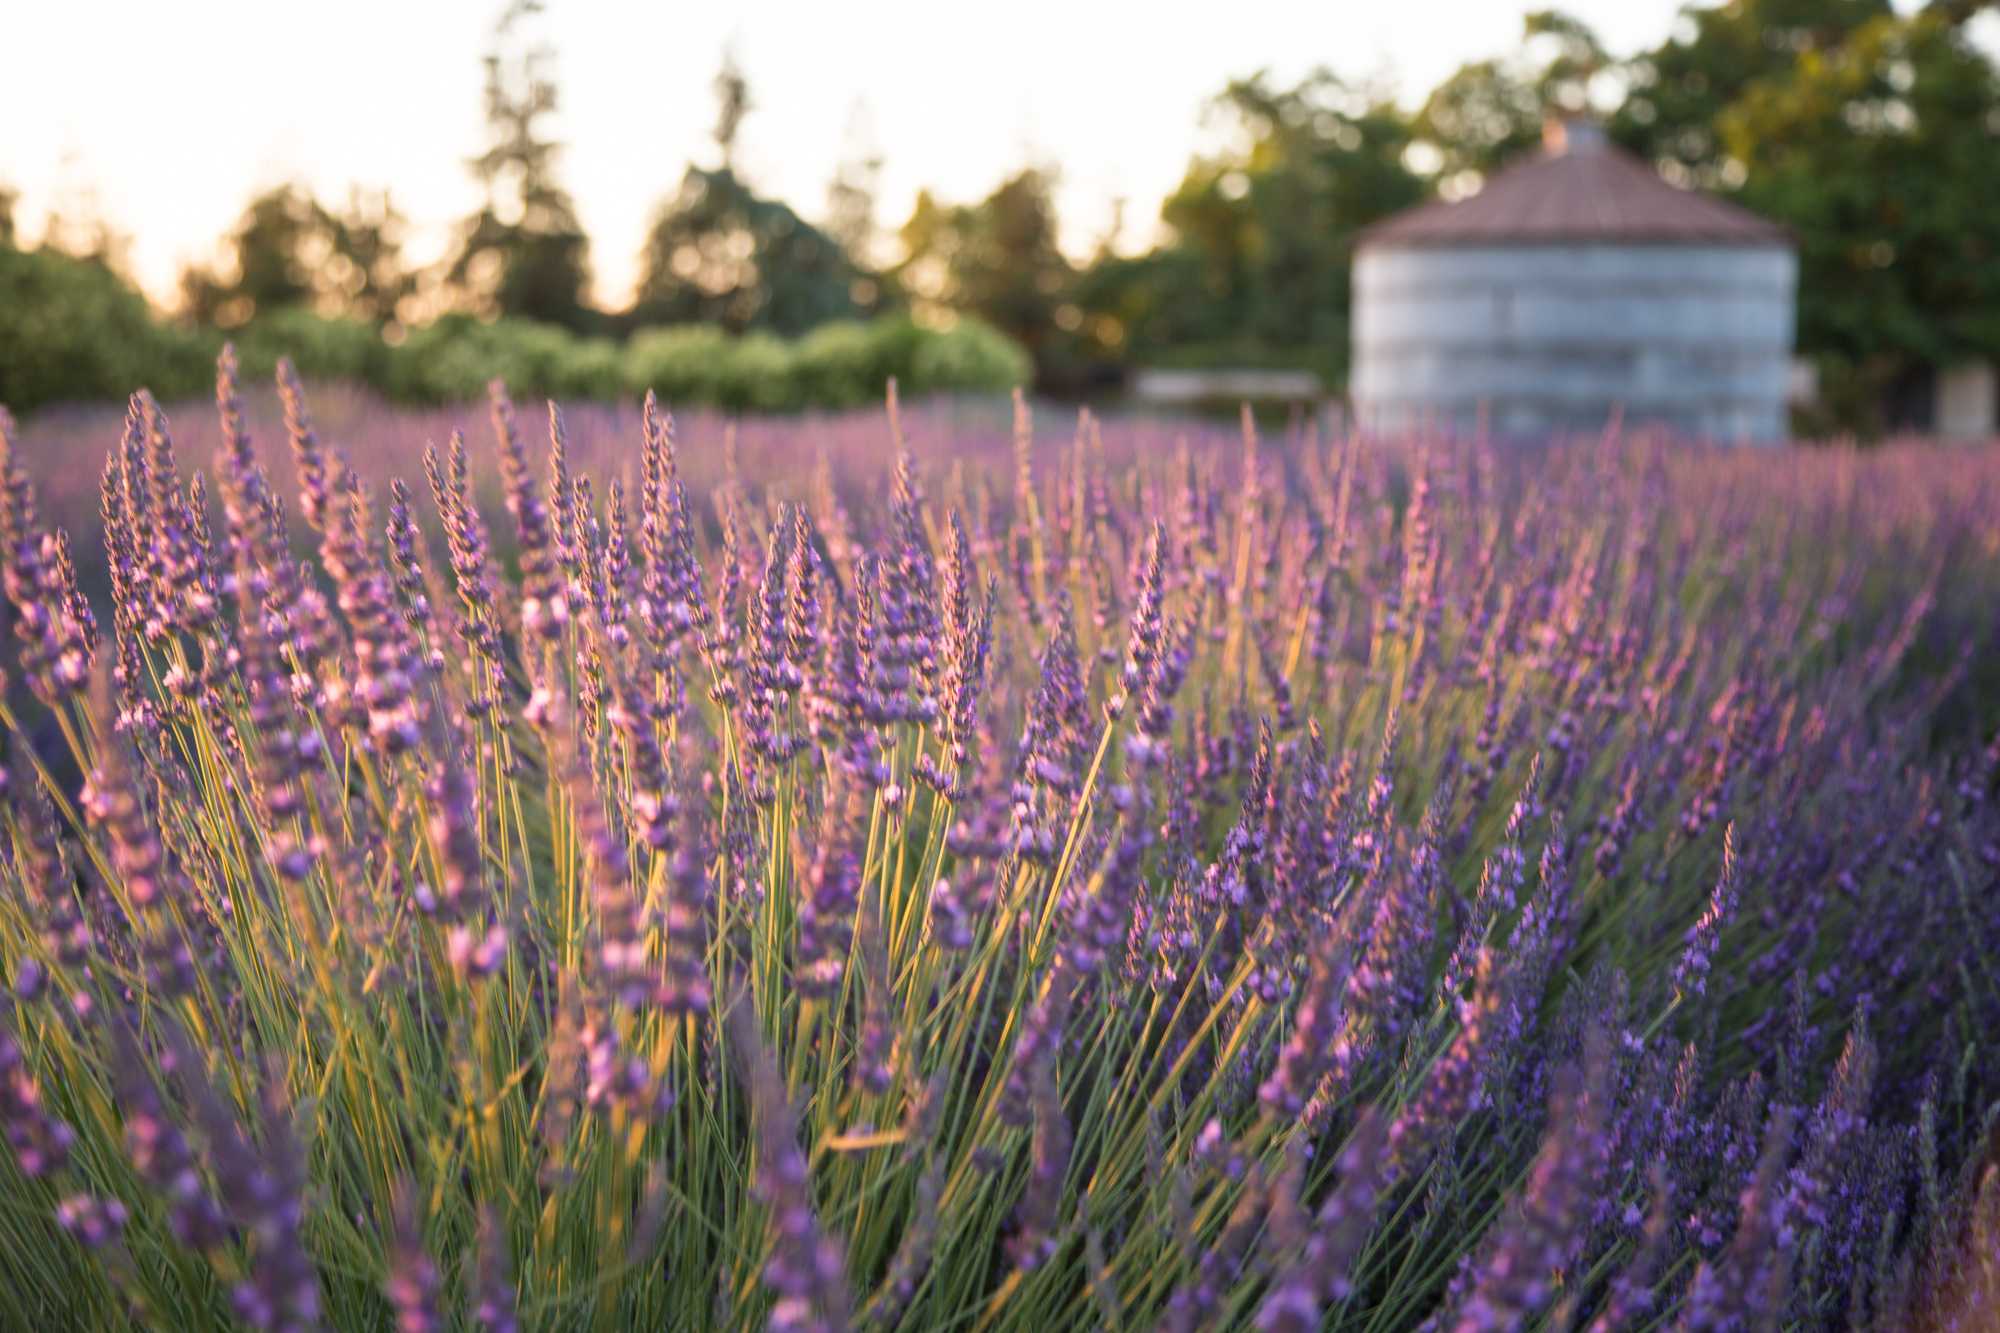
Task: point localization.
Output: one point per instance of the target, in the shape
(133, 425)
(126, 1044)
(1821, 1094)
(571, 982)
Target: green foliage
(756, 376)
(1875, 153)
(967, 357)
(677, 363)
(997, 260)
(321, 348)
(71, 329)
(838, 365)
(1679, 92)
(453, 359)
(524, 253)
(1263, 232)
(703, 364)
(719, 253)
(289, 250)
(593, 368)
(1491, 111)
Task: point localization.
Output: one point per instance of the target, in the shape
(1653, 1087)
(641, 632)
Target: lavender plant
(968, 881)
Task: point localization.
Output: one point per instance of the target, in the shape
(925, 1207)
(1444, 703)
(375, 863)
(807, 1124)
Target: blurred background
(772, 207)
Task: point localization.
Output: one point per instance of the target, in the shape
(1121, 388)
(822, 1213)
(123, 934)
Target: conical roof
(1578, 188)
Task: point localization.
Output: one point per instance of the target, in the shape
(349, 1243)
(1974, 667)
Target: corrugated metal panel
(1562, 336)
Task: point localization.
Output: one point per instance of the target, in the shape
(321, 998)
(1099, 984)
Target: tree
(1677, 94)
(1490, 111)
(77, 227)
(290, 251)
(732, 105)
(850, 195)
(273, 255)
(1880, 152)
(1875, 137)
(1257, 269)
(524, 252)
(997, 259)
(368, 277)
(719, 253)
(72, 330)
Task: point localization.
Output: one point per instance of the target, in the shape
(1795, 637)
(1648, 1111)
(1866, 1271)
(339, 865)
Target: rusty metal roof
(1579, 188)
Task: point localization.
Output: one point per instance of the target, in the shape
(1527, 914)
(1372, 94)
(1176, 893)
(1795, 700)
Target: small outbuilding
(1575, 285)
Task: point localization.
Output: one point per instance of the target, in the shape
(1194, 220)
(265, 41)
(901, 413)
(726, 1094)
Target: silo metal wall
(1552, 337)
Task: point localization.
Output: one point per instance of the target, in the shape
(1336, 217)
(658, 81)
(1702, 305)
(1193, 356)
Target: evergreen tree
(719, 253)
(524, 252)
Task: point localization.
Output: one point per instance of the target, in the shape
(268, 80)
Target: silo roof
(1578, 188)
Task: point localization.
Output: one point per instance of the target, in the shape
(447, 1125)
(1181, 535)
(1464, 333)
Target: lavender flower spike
(1690, 975)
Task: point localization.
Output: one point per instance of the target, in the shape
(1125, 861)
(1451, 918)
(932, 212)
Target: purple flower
(39, 1141)
(406, 562)
(51, 620)
(275, 729)
(412, 1285)
(831, 890)
(672, 604)
(1053, 745)
(1035, 1217)
(493, 1290)
(1743, 1288)
(94, 1221)
(544, 598)
(1690, 976)
(1514, 1275)
(807, 1269)
(465, 535)
(1631, 1296)
(1455, 1081)
(1318, 1272)
(159, 1150)
(315, 495)
(1315, 1028)
(387, 665)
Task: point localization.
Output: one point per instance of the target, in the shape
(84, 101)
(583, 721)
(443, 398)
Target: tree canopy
(720, 253)
(1001, 260)
(1873, 133)
(1490, 111)
(289, 250)
(524, 252)
(1260, 234)
(1880, 153)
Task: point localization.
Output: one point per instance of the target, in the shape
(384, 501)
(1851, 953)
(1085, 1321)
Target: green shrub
(839, 364)
(969, 357)
(682, 364)
(71, 329)
(758, 373)
(452, 359)
(588, 368)
(321, 348)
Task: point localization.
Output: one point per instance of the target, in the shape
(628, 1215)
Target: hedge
(71, 331)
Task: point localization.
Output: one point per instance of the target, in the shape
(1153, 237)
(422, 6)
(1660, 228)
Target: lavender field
(930, 871)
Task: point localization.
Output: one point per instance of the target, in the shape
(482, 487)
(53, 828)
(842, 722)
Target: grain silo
(1575, 283)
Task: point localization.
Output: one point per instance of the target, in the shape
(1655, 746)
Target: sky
(166, 118)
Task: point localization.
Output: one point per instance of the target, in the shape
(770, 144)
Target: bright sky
(165, 118)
